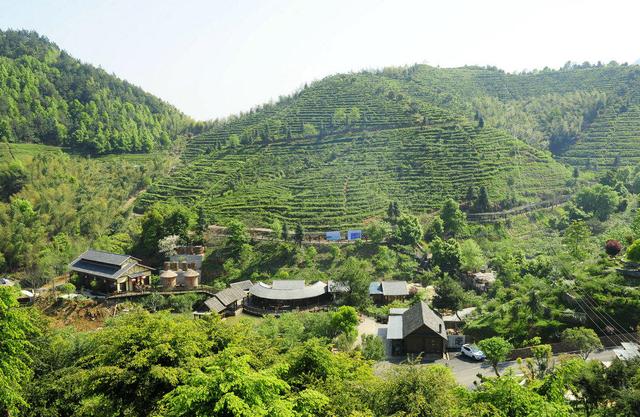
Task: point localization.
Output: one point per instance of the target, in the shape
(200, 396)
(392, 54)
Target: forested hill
(340, 149)
(47, 96)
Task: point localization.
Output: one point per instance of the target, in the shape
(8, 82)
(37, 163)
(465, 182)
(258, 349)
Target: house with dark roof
(285, 295)
(110, 273)
(243, 285)
(387, 291)
(226, 301)
(418, 330)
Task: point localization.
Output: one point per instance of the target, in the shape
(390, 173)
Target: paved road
(465, 369)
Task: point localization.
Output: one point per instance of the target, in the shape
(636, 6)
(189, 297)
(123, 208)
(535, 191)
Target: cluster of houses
(417, 329)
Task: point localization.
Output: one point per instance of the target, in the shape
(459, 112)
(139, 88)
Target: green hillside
(336, 152)
(49, 97)
(341, 180)
(586, 115)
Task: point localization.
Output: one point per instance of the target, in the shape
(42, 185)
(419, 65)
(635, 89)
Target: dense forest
(53, 205)
(49, 97)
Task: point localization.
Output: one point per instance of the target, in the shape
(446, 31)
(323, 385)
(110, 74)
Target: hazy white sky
(215, 58)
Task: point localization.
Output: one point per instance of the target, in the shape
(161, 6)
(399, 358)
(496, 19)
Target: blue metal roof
(375, 288)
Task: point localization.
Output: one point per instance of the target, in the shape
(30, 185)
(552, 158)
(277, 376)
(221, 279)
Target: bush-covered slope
(337, 151)
(343, 179)
(583, 114)
(49, 97)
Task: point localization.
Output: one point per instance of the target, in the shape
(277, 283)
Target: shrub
(66, 288)
(633, 252)
(372, 347)
(612, 247)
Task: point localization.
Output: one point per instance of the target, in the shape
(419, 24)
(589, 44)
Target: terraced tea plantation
(343, 180)
(335, 153)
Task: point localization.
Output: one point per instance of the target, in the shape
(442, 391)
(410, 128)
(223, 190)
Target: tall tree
(454, 219)
(16, 330)
(496, 349)
(298, 235)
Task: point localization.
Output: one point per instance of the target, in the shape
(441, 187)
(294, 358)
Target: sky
(215, 58)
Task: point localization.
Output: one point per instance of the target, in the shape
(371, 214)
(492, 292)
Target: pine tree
(299, 234)
(482, 203)
(285, 232)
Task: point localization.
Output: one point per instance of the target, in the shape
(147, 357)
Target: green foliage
(298, 235)
(354, 274)
(13, 177)
(600, 200)
(633, 251)
(372, 347)
(575, 238)
(51, 98)
(453, 218)
(436, 228)
(582, 339)
(345, 320)
(471, 256)
(237, 235)
(496, 349)
(309, 130)
(378, 231)
(16, 330)
(419, 391)
(67, 203)
(409, 230)
(449, 294)
(229, 385)
(66, 288)
(506, 397)
(154, 302)
(162, 220)
(446, 254)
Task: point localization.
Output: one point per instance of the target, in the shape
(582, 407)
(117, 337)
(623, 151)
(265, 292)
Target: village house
(227, 301)
(387, 291)
(479, 281)
(110, 273)
(286, 295)
(417, 330)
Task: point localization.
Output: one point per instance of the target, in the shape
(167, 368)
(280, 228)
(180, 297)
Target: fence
(561, 347)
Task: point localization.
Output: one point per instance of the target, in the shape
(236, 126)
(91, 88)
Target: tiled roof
(213, 304)
(265, 291)
(243, 285)
(420, 315)
(394, 288)
(230, 295)
(105, 257)
(294, 284)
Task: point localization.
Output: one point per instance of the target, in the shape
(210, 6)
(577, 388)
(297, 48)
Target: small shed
(226, 301)
(387, 291)
(419, 330)
(479, 281)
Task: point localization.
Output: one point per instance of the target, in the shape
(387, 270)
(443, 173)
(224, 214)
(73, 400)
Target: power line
(604, 321)
(591, 302)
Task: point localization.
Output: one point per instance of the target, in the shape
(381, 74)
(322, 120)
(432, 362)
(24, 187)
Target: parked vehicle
(472, 352)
